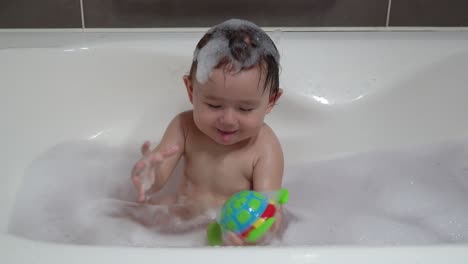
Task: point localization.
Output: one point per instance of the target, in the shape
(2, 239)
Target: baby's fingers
(139, 167)
(232, 239)
(145, 148)
(137, 181)
(141, 193)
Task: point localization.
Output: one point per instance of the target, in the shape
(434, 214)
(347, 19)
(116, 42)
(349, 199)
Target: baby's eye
(213, 106)
(246, 109)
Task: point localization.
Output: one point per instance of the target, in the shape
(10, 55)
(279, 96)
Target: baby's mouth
(227, 135)
(227, 131)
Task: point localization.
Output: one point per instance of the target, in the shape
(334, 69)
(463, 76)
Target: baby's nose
(229, 117)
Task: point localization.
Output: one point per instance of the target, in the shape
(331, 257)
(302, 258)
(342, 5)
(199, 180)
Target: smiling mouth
(226, 132)
(226, 136)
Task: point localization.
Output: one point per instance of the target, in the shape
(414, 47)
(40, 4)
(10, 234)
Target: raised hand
(145, 170)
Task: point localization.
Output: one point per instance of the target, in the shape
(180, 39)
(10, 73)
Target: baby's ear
(189, 86)
(274, 99)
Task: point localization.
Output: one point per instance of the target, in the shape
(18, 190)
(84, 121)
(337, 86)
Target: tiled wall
(203, 13)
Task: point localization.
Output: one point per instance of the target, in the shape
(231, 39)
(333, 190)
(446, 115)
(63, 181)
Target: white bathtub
(344, 92)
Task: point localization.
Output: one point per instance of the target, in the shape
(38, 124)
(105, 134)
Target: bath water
(80, 193)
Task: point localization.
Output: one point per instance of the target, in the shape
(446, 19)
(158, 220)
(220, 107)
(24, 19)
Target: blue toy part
(242, 210)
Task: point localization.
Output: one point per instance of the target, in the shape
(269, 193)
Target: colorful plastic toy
(248, 214)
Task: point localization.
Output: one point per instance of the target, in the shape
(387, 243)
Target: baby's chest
(220, 172)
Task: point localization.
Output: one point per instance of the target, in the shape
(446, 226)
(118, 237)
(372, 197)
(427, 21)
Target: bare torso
(213, 172)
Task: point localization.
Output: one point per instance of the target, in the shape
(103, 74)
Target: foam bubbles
(412, 196)
(80, 193)
(226, 38)
(209, 56)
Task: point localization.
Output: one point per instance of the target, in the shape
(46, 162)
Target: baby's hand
(231, 239)
(144, 171)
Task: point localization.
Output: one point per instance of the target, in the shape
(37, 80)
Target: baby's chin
(219, 140)
(229, 141)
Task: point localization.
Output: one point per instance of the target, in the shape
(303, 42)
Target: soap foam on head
(239, 42)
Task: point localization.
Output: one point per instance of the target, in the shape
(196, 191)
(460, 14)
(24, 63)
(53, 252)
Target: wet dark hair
(246, 45)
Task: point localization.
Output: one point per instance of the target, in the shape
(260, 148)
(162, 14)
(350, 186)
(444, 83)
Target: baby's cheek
(257, 121)
(204, 117)
(253, 128)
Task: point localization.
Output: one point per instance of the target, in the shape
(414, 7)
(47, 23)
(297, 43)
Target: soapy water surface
(80, 193)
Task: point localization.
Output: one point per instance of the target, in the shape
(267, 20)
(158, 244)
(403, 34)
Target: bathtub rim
(47, 252)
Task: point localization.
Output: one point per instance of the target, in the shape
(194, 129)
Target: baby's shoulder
(267, 139)
(187, 125)
(185, 119)
(185, 116)
(267, 133)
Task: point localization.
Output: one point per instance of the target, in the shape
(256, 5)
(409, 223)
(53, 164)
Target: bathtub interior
(345, 93)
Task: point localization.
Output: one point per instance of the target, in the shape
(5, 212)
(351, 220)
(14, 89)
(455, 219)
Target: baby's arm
(268, 169)
(163, 159)
(173, 136)
(267, 176)
(269, 166)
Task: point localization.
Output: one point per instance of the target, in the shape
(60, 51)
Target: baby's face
(230, 108)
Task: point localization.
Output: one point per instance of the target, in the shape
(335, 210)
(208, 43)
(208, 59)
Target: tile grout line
(268, 29)
(82, 15)
(389, 8)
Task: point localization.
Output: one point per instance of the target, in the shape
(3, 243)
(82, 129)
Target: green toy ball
(248, 214)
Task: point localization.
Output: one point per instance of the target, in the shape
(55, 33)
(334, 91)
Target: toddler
(233, 84)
